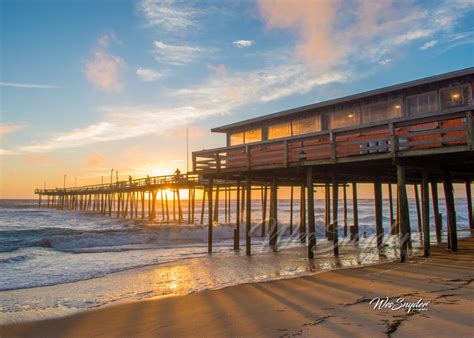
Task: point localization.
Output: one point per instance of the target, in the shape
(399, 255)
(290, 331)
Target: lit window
(236, 139)
(344, 118)
(307, 125)
(279, 130)
(454, 97)
(382, 111)
(422, 103)
(254, 135)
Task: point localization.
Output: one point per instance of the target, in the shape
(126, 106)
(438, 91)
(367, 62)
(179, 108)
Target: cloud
(175, 54)
(7, 152)
(336, 33)
(429, 44)
(169, 15)
(242, 43)
(103, 70)
(6, 128)
(148, 75)
(27, 85)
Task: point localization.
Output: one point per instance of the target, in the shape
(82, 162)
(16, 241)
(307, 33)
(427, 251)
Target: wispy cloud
(148, 74)
(176, 54)
(27, 85)
(7, 128)
(7, 152)
(429, 44)
(103, 70)
(242, 43)
(169, 15)
(331, 34)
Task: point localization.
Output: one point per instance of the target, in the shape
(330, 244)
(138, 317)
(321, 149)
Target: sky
(87, 86)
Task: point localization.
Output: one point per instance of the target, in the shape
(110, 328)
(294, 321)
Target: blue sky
(91, 85)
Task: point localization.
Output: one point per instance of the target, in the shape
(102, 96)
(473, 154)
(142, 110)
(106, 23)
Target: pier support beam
(209, 214)
(344, 210)
(273, 224)
(302, 228)
(355, 213)
(264, 210)
(437, 215)
(418, 209)
(311, 222)
(237, 217)
(248, 217)
(449, 197)
(469, 205)
(327, 211)
(393, 227)
(378, 213)
(403, 213)
(291, 210)
(334, 226)
(425, 199)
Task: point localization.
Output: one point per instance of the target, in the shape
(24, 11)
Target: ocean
(54, 263)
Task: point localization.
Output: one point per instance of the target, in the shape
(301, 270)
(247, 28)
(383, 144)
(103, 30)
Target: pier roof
(318, 105)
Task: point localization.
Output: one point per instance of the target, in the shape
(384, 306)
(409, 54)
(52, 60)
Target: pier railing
(145, 183)
(448, 130)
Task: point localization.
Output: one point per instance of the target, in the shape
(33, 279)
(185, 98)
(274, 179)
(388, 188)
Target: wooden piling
(469, 204)
(180, 210)
(216, 205)
(403, 213)
(209, 209)
(273, 224)
(248, 215)
(355, 214)
(426, 214)
(327, 211)
(302, 228)
(334, 226)
(311, 221)
(378, 213)
(291, 210)
(237, 217)
(203, 205)
(390, 207)
(264, 210)
(450, 208)
(418, 209)
(344, 210)
(437, 215)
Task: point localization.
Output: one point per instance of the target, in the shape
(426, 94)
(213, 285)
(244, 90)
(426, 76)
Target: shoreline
(294, 305)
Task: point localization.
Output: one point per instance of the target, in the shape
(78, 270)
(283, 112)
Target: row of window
(415, 105)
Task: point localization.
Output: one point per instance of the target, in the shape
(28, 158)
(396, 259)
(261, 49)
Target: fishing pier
(419, 133)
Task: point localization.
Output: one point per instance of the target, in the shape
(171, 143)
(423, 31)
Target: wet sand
(332, 303)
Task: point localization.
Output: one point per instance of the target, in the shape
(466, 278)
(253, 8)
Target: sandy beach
(335, 303)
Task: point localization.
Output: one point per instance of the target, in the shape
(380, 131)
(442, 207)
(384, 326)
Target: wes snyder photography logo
(398, 304)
